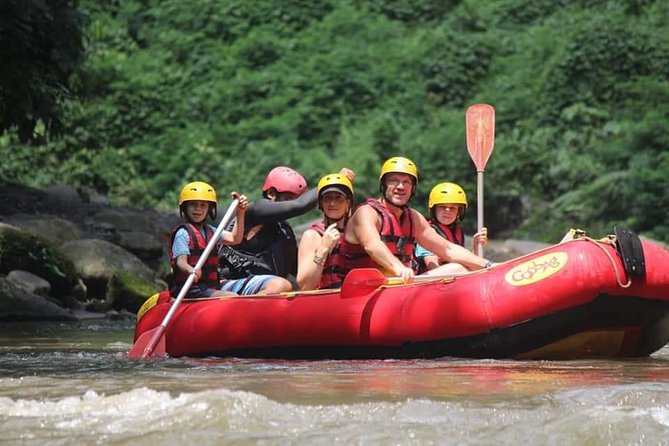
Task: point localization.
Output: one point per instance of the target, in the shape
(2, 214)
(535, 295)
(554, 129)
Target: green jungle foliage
(222, 91)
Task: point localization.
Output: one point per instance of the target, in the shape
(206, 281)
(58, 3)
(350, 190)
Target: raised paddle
(480, 126)
(362, 281)
(152, 342)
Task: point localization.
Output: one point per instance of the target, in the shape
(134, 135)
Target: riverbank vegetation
(222, 91)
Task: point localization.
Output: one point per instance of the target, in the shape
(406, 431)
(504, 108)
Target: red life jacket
(453, 232)
(196, 246)
(397, 234)
(334, 269)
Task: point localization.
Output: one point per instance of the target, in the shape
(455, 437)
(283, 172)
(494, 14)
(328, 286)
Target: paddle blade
(151, 343)
(480, 126)
(362, 281)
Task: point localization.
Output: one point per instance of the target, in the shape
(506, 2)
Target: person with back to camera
(266, 260)
(320, 264)
(197, 201)
(447, 205)
(382, 232)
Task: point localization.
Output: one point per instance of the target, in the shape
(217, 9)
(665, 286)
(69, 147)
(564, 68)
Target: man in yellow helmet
(383, 232)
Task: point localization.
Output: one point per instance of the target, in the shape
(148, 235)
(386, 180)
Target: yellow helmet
(335, 181)
(446, 193)
(197, 190)
(399, 164)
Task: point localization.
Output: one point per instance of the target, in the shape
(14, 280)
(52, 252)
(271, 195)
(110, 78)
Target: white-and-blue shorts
(248, 285)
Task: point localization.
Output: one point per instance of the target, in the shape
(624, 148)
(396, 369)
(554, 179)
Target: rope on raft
(610, 240)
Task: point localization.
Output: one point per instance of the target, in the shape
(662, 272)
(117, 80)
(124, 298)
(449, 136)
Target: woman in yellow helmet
(319, 264)
(197, 201)
(447, 204)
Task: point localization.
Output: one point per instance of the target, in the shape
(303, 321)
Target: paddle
(480, 125)
(152, 342)
(362, 281)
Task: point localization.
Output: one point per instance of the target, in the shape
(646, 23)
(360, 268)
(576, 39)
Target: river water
(64, 384)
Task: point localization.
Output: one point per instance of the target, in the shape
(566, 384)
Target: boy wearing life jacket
(197, 201)
(320, 264)
(382, 232)
(447, 204)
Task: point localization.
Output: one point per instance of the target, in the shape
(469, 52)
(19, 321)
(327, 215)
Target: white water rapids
(75, 386)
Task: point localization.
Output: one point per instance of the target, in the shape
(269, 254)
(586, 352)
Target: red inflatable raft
(582, 298)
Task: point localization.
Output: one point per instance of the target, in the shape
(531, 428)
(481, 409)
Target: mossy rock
(164, 271)
(20, 250)
(126, 291)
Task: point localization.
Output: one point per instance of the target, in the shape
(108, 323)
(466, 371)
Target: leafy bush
(224, 91)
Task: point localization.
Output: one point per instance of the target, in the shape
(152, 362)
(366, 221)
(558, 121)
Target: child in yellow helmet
(447, 204)
(197, 201)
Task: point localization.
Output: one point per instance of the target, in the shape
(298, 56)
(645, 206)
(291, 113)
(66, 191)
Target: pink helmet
(285, 179)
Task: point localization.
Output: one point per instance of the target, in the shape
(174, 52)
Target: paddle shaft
(479, 209)
(479, 183)
(184, 290)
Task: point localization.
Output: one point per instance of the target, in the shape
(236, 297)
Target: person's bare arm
(309, 271)
(451, 252)
(312, 254)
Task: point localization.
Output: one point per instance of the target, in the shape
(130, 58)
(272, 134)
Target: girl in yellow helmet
(319, 263)
(447, 204)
